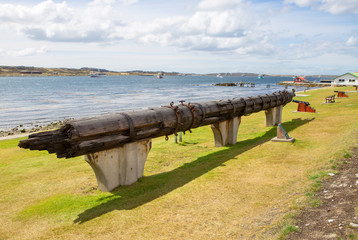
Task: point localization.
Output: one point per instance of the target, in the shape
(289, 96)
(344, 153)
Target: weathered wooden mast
(116, 146)
(91, 135)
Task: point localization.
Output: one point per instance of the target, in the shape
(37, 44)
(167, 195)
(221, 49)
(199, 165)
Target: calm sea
(33, 101)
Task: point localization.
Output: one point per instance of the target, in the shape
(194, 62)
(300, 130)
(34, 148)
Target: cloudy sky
(201, 36)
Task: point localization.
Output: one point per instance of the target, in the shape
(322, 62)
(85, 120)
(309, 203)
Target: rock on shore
(36, 128)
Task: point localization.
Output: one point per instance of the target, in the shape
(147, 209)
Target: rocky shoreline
(21, 129)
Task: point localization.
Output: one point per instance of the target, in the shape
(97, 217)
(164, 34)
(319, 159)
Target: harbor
(304, 84)
(57, 98)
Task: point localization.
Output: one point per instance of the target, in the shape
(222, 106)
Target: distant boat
(159, 75)
(97, 74)
(219, 76)
(261, 76)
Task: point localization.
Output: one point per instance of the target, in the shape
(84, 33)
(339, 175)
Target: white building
(349, 79)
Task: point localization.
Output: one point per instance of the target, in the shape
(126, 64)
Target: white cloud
(109, 2)
(214, 5)
(217, 23)
(309, 49)
(331, 6)
(227, 25)
(128, 2)
(303, 3)
(317, 48)
(58, 22)
(26, 52)
(235, 28)
(352, 42)
(221, 26)
(38, 14)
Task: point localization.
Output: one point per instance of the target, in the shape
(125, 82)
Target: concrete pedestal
(225, 132)
(282, 135)
(119, 166)
(273, 116)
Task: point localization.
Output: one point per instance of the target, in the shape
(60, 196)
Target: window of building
(352, 80)
(341, 80)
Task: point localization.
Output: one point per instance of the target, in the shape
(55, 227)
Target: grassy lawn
(190, 190)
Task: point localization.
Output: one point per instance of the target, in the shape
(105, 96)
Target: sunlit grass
(190, 190)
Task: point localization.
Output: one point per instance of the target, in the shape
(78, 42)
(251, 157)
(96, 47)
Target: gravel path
(337, 216)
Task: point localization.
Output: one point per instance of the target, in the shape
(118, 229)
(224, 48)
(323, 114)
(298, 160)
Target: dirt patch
(336, 217)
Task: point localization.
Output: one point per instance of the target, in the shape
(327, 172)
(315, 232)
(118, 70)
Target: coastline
(23, 71)
(20, 131)
(47, 99)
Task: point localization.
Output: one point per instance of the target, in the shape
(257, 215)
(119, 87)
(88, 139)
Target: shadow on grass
(185, 143)
(153, 187)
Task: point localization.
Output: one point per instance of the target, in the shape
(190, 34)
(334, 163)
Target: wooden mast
(84, 136)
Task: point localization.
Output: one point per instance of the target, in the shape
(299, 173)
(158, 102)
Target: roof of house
(355, 74)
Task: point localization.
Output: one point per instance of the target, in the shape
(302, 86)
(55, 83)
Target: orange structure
(304, 106)
(298, 79)
(341, 94)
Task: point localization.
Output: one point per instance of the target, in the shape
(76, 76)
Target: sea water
(30, 101)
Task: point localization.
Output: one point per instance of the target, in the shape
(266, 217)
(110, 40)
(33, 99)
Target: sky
(300, 37)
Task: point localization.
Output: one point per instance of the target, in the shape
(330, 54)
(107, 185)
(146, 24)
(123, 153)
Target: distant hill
(28, 70)
(39, 71)
(84, 71)
(270, 75)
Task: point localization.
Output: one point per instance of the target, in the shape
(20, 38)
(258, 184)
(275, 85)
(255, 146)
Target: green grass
(352, 236)
(64, 207)
(287, 230)
(190, 190)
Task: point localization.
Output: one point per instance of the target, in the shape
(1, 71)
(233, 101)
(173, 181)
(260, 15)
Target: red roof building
(300, 79)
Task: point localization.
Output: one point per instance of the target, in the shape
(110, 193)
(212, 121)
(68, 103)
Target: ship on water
(97, 74)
